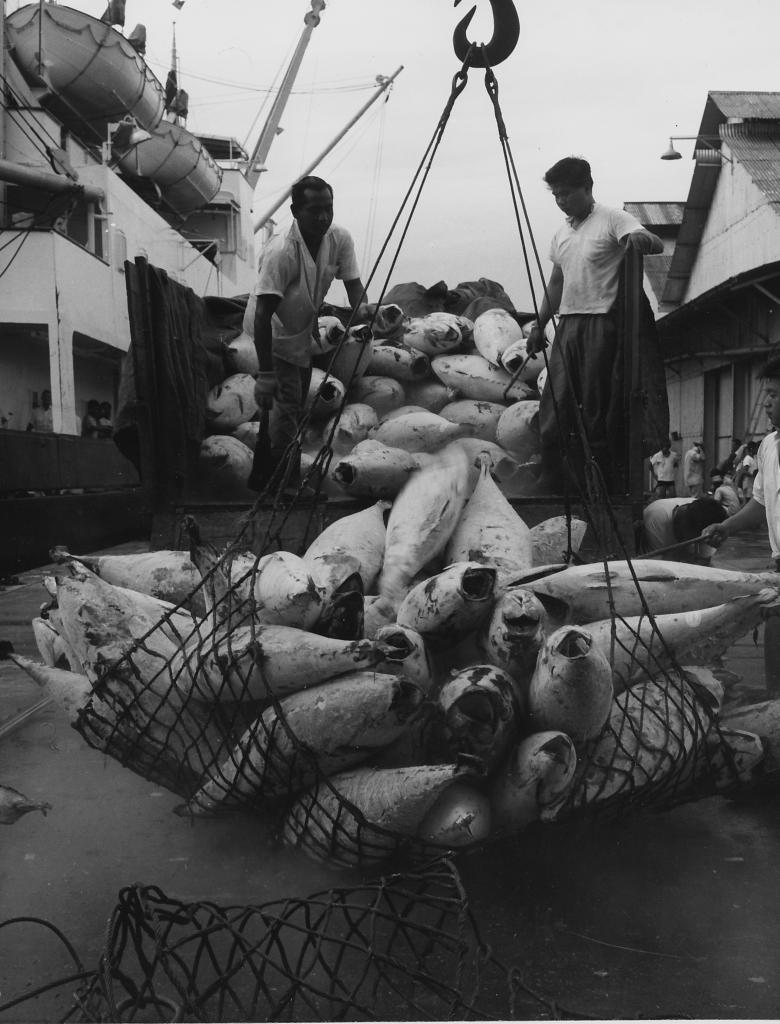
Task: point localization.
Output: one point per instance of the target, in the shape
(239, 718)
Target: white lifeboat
(184, 172)
(92, 73)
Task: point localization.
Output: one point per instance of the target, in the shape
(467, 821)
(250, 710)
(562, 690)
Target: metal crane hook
(506, 32)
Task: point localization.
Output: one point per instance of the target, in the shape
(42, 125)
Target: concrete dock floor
(673, 914)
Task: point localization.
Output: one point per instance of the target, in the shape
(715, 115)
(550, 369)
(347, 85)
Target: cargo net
(361, 748)
(280, 684)
(404, 948)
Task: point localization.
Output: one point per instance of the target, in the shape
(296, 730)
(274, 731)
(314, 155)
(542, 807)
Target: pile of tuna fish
(419, 676)
(386, 395)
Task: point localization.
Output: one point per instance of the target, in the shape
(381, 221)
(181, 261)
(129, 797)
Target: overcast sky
(609, 80)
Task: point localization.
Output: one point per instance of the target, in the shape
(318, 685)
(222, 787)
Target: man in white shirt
(663, 466)
(295, 272)
(584, 389)
(693, 469)
(763, 507)
(41, 420)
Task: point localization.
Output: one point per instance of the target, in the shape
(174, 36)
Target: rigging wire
(274, 89)
(372, 203)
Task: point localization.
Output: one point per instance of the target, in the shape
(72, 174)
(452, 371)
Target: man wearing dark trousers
(295, 272)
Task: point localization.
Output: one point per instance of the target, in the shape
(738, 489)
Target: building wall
(741, 232)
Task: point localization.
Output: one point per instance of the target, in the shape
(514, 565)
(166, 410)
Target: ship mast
(271, 126)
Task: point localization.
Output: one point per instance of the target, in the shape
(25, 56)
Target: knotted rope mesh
(404, 948)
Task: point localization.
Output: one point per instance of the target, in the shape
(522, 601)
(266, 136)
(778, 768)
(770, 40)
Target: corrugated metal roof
(656, 214)
(764, 105)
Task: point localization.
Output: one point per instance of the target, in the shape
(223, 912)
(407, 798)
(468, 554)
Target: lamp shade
(671, 153)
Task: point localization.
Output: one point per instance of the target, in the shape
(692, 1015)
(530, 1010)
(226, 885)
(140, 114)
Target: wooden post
(632, 376)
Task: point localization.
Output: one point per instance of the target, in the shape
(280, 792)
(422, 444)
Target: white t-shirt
(590, 255)
(659, 531)
(766, 487)
(287, 269)
(665, 466)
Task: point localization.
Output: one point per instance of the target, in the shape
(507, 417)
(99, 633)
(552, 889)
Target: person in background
(41, 420)
(584, 384)
(732, 460)
(693, 469)
(105, 425)
(746, 471)
(663, 466)
(295, 272)
(763, 509)
(670, 521)
(724, 492)
(89, 422)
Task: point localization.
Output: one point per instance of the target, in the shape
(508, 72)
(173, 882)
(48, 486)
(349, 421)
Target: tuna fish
(13, 805)
(259, 663)
(247, 433)
(330, 331)
(242, 354)
(553, 539)
(402, 410)
(399, 361)
(406, 654)
(70, 691)
(539, 773)
(453, 602)
(325, 396)
(350, 360)
(647, 750)
(389, 322)
(517, 431)
(515, 360)
(480, 417)
(479, 712)
(417, 432)
(513, 635)
(430, 394)
(461, 817)
(392, 804)
(571, 688)
(374, 470)
(284, 591)
(494, 331)
(168, 575)
(436, 333)
(320, 731)
(361, 535)
(224, 465)
(51, 647)
(422, 519)
(640, 645)
(588, 593)
(491, 532)
(231, 402)
(472, 376)
(349, 427)
(382, 393)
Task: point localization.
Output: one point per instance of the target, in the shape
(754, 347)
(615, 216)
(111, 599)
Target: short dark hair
(689, 520)
(310, 183)
(771, 369)
(573, 171)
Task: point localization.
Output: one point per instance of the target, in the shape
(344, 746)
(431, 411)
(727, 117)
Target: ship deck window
(80, 221)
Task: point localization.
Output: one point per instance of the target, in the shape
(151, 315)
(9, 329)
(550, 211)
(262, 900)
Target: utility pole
(271, 126)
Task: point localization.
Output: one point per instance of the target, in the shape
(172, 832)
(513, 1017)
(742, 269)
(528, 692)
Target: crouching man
(670, 521)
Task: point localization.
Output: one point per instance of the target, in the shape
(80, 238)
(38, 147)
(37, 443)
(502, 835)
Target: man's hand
(265, 390)
(714, 534)
(536, 341)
